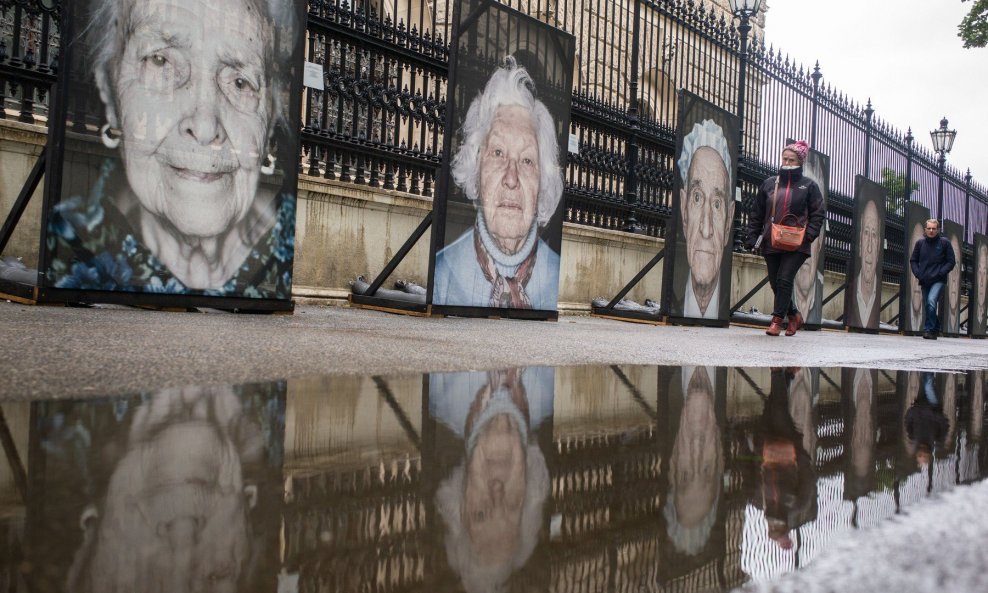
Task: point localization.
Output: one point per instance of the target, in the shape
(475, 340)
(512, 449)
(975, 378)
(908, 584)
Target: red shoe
(795, 323)
(775, 328)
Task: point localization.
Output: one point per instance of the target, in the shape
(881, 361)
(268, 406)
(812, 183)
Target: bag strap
(775, 192)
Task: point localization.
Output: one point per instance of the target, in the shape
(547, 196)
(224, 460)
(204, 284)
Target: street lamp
(743, 10)
(943, 141)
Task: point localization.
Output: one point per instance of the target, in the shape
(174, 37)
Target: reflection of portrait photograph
(185, 193)
(808, 285)
(858, 387)
(696, 464)
(978, 323)
(950, 312)
(863, 301)
(492, 503)
(926, 424)
(508, 166)
(177, 485)
(698, 269)
(911, 311)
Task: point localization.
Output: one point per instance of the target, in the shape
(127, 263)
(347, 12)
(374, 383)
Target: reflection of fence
(379, 121)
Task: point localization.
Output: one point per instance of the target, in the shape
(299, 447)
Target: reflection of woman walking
(798, 200)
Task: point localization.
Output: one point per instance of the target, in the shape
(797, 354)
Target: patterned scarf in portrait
(505, 292)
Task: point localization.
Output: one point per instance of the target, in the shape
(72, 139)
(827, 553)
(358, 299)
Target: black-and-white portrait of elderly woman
(508, 166)
(195, 100)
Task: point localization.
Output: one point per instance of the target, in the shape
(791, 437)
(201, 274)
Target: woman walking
(787, 205)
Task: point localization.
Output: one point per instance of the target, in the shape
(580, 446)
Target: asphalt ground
(55, 352)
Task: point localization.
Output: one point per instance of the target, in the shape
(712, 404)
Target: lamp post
(743, 10)
(943, 141)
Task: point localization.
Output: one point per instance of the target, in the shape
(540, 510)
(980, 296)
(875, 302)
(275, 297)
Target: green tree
(895, 186)
(974, 27)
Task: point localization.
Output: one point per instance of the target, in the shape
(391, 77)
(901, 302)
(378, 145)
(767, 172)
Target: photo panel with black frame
(694, 507)
(977, 320)
(497, 231)
(492, 427)
(696, 277)
(863, 293)
(950, 303)
(123, 491)
(808, 285)
(910, 291)
(859, 395)
(174, 166)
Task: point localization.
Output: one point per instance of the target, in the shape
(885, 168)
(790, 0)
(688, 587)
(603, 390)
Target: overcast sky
(903, 54)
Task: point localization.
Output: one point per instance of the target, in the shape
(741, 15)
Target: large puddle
(575, 479)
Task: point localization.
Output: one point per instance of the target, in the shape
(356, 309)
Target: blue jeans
(931, 298)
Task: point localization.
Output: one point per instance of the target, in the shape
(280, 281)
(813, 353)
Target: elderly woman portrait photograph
(808, 285)
(863, 301)
(165, 491)
(190, 188)
(508, 167)
(492, 503)
(706, 212)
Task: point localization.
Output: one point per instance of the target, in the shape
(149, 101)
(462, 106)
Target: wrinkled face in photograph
(863, 437)
(509, 177)
(190, 96)
(981, 281)
(175, 515)
(697, 457)
(871, 247)
(707, 208)
(915, 290)
(494, 490)
(954, 282)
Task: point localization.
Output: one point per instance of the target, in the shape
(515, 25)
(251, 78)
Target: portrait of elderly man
(188, 197)
(492, 503)
(868, 283)
(706, 206)
(696, 464)
(980, 313)
(952, 314)
(915, 289)
(508, 167)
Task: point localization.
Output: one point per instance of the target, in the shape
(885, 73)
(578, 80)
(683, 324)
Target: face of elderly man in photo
(954, 285)
(696, 465)
(915, 290)
(189, 93)
(707, 210)
(981, 282)
(806, 278)
(871, 249)
(509, 177)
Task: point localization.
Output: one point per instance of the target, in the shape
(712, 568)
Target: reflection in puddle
(531, 479)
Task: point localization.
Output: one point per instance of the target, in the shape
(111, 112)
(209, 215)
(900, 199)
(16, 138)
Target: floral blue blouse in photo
(94, 247)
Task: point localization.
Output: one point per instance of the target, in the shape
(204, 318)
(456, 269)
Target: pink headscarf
(801, 148)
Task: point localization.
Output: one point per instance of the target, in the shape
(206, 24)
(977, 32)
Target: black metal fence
(379, 121)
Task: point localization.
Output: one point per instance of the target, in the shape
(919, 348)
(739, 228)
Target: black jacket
(932, 260)
(804, 200)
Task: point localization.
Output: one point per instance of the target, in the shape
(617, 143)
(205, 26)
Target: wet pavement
(64, 352)
(570, 479)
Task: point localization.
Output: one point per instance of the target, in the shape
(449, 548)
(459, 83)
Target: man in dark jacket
(931, 261)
